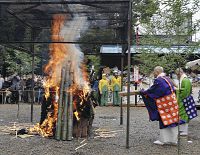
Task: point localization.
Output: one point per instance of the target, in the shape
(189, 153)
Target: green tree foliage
(95, 60)
(18, 61)
(144, 10)
(170, 27)
(169, 61)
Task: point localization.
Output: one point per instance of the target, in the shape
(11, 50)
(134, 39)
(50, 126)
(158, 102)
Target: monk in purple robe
(160, 88)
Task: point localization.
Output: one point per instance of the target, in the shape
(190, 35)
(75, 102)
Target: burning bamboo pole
(70, 112)
(65, 110)
(60, 106)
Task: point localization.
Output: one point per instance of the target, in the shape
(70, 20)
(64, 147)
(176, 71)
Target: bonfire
(67, 87)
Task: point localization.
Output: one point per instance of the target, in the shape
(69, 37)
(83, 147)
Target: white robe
(184, 128)
(169, 135)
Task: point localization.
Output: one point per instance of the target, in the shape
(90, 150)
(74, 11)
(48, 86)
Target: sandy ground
(142, 135)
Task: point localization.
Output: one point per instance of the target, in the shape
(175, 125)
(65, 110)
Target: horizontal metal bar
(90, 19)
(107, 27)
(83, 12)
(60, 42)
(80, 42)
(65, 2)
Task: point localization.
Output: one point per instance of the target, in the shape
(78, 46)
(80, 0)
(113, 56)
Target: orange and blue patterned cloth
(190, 107)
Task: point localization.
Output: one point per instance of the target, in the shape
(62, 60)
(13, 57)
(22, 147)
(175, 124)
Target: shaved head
(179, 72)
(158, 70)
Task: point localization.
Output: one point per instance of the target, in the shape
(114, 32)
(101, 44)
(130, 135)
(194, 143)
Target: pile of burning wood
(68, 115)
(68, 107)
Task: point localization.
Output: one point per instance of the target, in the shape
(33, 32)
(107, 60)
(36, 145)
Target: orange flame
(59, 54)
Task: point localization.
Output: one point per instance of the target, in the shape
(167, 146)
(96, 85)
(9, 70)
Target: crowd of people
(107, 83)
(15, 88)
(168, 103)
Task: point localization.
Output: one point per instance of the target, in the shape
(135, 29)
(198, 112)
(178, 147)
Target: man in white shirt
(1, 82)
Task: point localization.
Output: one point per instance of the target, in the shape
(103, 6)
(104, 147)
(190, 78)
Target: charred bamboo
(70, 112)
(66, 87)
(60, 106)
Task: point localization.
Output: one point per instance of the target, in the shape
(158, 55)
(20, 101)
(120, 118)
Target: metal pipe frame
(84, 12)
(89, 19)
(81, 42)
(64, 2)
(110, 26)
(59, 42)
(33, 66)
(122, 76)
(123, 34)
(35, 3)
(129, 65)
(32, 42)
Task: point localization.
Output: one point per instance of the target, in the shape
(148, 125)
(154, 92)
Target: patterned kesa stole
(190, 107)
(168, 107)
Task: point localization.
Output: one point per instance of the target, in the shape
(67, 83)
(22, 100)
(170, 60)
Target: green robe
(185, 91)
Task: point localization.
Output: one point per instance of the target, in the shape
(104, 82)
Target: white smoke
(70, 32)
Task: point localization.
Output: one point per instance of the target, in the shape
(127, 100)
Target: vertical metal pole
(135, 95)
(2, 97)
(17, 109)
(60, 106)
(122, 69)
(129, 65)
(33, 66)
(179, 88)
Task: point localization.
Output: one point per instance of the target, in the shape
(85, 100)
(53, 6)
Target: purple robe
(159, 89)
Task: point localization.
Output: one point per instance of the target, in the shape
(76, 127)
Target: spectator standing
(1, 81)
(116, 88)
(103, 89)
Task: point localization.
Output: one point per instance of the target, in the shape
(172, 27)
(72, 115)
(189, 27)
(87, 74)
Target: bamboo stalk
(60, 106)
(70, 112)
(66, 85)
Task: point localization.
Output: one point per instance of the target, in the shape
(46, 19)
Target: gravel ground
(142, 135)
